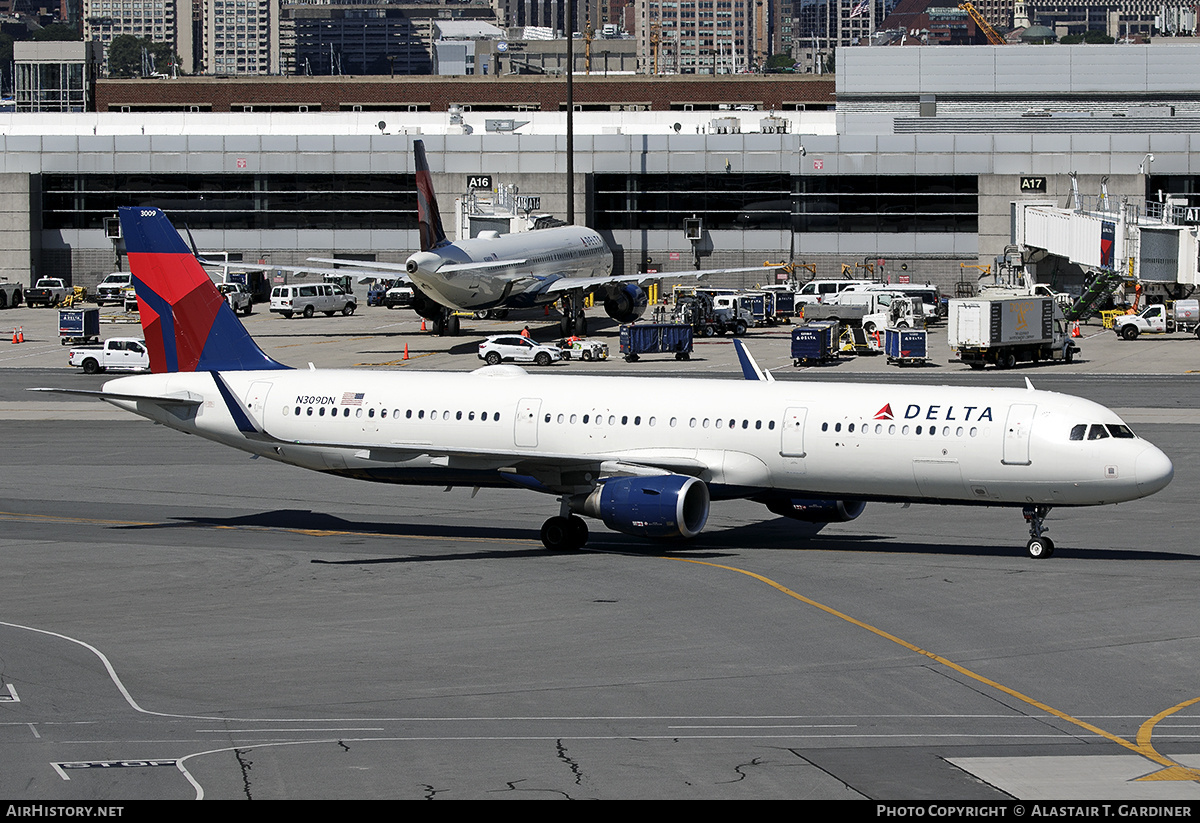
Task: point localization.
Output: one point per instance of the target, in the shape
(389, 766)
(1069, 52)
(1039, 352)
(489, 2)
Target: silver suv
(310, 299)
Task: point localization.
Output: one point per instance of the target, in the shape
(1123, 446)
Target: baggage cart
(904, 346)
(78, 326)
(814, 343)
(656, 338)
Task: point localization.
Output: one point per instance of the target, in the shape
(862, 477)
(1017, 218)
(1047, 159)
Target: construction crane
(992, 35)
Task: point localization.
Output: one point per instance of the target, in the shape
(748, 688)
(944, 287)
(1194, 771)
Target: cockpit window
(1117, 430)
(1097, 432)
(1077, 432)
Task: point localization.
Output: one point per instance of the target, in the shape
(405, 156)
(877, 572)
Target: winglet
(429, 219)
(750, 369)
(187, 324)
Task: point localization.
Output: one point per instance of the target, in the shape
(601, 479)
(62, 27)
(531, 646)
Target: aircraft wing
(445, 268)
(589, 283)
(362, 273)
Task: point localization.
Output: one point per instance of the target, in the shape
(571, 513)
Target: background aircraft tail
(187, 323)
(429, 219)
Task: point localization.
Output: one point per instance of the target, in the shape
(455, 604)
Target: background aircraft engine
(815, 511)
(625, 303)
(668, 505)
(425, 307)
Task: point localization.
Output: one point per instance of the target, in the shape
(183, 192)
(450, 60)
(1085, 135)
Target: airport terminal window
(808, 203)
(235, 201)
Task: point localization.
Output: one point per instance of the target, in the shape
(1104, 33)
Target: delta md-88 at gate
(645, 456)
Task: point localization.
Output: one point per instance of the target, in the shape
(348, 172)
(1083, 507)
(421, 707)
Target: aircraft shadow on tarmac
(778, 534)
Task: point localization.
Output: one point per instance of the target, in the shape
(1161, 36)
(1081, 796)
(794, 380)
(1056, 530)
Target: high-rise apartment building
(701, 36)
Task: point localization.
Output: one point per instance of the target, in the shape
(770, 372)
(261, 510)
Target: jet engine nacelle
(668, 505)
(626, 302)
(424, 306)
(811, 510)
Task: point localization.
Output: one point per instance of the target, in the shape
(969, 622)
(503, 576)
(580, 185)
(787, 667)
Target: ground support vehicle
(397, 297)
(77, 327)
(1161, 318)
(238, 297)
(656, 338)
(115, 354)
(516, 347)
(872, 310)
(815, 343)
(818, 291)
(48, 291)
(906, 346)
(311, 298)
(709, 314)
(111, 289)
(1004, 327)
(583, 348)
(11, 295)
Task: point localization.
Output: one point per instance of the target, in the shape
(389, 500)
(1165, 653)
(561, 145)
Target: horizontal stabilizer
(182, 398)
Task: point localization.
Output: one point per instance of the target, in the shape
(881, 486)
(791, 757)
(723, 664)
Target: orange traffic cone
(1075, 329)
(21, 335)
(422, 324)
(15, 340)
(405, 351)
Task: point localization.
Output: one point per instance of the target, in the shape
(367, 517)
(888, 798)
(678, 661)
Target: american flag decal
(353, 398)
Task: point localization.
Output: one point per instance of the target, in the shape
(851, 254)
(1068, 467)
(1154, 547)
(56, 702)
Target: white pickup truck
(48, 291)
(116, 354)
(238, 297)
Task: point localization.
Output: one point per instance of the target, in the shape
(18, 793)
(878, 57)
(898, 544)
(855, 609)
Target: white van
(311, 298)
(817, 291)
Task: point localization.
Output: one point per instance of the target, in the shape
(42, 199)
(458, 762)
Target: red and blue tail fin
(429, 219)
(187, 323)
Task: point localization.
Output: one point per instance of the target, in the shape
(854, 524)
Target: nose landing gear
(1039, 546)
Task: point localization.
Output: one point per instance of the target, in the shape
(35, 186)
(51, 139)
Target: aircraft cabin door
(1016, 434)
(791, 447)
(525, 428)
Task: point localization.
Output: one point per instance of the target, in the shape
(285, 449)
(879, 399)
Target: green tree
(125, 56)
(56, 31)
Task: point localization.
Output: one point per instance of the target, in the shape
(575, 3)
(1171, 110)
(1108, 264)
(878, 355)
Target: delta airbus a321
(497, 272)
(645, 456)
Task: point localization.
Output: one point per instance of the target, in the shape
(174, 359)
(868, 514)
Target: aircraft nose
(1153, 470)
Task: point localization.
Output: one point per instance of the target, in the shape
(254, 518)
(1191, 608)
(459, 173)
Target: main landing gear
(1039, 546)
(573, 321)
(567, 532)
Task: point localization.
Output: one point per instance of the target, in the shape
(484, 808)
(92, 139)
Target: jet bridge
(1150, 243)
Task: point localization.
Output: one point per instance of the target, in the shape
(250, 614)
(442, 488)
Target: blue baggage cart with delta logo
(814, 343)
(902, 346)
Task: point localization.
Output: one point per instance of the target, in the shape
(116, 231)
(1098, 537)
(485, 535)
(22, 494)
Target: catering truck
(1003, 327)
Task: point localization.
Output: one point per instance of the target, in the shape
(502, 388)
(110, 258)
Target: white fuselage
(863, 441)
(538, 259)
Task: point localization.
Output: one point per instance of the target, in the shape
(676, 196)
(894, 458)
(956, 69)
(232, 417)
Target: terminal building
(911, 172)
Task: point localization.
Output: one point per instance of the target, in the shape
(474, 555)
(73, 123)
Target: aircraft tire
(581, 326)
(559, 534)
(1039, 548)
(579, 531)
(452, 326)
